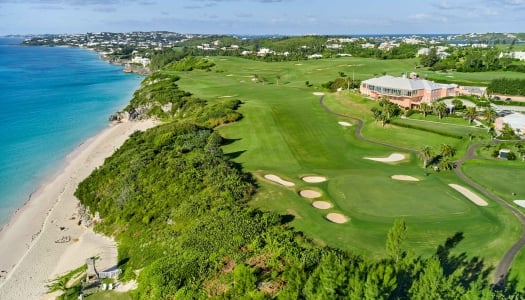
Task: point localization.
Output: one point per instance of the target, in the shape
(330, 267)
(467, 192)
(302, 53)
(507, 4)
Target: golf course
(363, 178)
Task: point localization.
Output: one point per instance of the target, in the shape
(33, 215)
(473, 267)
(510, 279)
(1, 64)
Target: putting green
(360, 196)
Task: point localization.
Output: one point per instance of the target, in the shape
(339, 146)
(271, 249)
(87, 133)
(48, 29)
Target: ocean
(51, 100)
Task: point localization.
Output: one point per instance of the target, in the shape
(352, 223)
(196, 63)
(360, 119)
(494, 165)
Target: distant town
(136, 48)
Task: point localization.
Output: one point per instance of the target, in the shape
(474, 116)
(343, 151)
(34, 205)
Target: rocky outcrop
(129, 67)
(136, 68)
(132, 114)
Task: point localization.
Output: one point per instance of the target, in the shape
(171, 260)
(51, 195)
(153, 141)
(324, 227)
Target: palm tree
(447, 151)
(425, 155)
(425, 109)
(384, 101)
(440, 108)
(384, 119)
(471, 114)
(490, 115)
(446, 164)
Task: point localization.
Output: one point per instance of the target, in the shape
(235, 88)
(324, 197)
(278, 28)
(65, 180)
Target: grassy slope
(503, 178)
(286, 132)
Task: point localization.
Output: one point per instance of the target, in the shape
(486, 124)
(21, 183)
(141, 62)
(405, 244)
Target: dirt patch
(322, 205)
(520, 202)
(318, 94)
(469, 194)
(310, 194)
(278, 180)
(314, 179)
(394, 157)
(404, 178)
(345, 124)
(337, 218)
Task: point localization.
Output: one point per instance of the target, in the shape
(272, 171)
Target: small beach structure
(91, 272)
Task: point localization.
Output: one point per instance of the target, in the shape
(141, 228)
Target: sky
(258, 17)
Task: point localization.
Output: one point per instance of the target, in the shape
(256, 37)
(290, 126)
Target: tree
(396, 236)
(490, 115)
(425, 109)
(447, 151)
(384, 101)
(432, 283)
(440, 108)
(425, 155)
(458, 104)
(430, 59)
(471, 114)
(446, 164)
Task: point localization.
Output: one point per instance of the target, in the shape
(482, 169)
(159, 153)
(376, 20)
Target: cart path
(503, 267)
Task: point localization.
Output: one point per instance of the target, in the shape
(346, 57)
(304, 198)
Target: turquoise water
(51, 100)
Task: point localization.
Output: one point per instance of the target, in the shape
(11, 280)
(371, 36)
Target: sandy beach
(29, 251)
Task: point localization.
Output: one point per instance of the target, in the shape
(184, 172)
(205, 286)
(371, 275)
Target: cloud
(243, 15)
(445, 5)
(105, 9)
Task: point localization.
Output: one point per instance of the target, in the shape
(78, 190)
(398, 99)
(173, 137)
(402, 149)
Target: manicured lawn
(501, 177)
(286, 132)
(109, 295)
(474, 78)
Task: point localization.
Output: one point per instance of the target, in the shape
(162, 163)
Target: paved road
(503, 267)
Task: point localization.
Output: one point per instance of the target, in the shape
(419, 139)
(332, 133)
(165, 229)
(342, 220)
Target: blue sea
(51, 100)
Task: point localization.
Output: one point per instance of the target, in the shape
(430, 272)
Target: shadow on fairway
(227, 141)
(234, 155)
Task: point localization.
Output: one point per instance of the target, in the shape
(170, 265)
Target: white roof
(403, 83)
(515, 120)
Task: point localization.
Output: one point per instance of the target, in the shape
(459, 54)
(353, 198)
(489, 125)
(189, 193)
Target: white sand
(310, 194)
(520, 202)
(318, 94)
(314, 179)
(337, 218)
(345, 124)
(404, 178)
(27, 244)
(322, 205)
(278, 180)
(469, 194)
(391, 158)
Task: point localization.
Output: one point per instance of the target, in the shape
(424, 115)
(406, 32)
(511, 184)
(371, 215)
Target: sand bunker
(278, 180)
(314, 179)
(391, 158)
(520, 202)
(318, 94)
(469, 194)
(310, 194)
(404, 178)
(346, 124)
(322, 204)
(337, 218)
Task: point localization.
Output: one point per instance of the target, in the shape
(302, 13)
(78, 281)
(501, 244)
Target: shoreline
(29, 241)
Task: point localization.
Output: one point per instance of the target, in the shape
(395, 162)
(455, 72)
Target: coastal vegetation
(194, 217)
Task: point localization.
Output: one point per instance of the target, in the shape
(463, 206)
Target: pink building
(406, 92)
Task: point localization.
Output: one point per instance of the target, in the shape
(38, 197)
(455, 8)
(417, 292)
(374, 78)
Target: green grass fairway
(286, 132)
